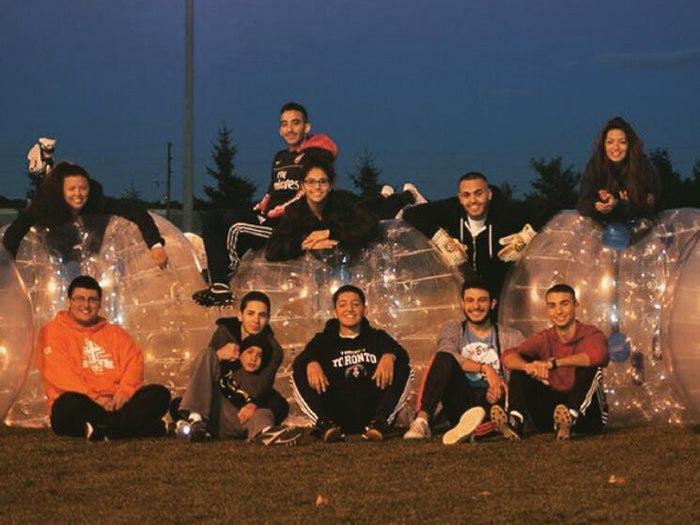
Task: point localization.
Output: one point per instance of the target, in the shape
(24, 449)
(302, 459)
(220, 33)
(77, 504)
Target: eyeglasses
(321, 183)
(82, 300)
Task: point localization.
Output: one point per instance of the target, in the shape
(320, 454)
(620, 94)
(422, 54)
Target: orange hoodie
(98, 360)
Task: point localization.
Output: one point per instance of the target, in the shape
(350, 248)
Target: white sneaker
(419, 429)
(471, 419)
(411, 188)
(387, 190)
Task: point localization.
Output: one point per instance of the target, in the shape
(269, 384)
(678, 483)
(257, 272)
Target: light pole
(188, 139)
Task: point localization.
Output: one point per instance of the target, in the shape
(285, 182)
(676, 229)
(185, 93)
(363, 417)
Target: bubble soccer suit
(410, 291)
(151, 304)
(16, 332)
(622, 277)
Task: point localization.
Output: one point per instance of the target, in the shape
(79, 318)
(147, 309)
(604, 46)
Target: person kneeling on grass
(208, 408)
(93, 373)
(556, 375)
(465, 375)
(351, 378)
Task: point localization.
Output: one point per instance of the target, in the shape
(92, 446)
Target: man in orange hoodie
(93, 373)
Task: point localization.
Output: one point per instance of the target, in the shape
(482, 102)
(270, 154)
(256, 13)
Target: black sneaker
(279, 436)
(95, 432)
(198, 431)
(217, 295)
(328, 432)
(375, 431)
(174, 409)
(511, 427)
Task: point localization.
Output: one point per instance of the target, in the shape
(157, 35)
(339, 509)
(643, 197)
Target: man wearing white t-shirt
(476, 230)
(465, 375)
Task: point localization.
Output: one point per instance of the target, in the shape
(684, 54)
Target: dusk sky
(432, 88)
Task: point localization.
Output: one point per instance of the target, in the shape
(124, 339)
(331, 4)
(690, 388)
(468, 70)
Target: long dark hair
(634, 170)
(50, 207)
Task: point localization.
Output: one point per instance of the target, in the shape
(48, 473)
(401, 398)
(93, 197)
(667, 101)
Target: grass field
(46, 479)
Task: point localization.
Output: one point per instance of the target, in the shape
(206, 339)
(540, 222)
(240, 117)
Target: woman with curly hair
(620, 183)
(69, 203)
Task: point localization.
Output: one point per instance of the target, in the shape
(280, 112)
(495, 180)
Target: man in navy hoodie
(351, 378)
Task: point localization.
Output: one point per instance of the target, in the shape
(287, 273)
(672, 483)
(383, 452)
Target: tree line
(554, 187)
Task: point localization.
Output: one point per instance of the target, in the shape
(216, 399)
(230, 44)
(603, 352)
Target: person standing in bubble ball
(70, 197)
(620, 183)
(322, 220)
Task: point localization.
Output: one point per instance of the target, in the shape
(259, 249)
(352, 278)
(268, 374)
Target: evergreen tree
(672, 187)
(231, 190)
(131, 194)
(554, 185)
(365, 176)
(508, 191)
(554, 189)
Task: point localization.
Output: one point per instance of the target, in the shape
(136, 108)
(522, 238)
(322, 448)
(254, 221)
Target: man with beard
(477, 230)
(465, 375)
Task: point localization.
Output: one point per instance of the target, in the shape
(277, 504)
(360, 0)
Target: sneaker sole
(562, 423)
(285, 436)
(373, 435)
(413, 436)
(468, 423)
(333, 435)
(500, 419)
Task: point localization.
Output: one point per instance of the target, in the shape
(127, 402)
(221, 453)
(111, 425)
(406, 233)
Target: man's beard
(485, 320)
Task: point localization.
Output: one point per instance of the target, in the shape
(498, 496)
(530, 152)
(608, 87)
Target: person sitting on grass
(208, 409)
(255, 352)
(556, 375)
(322, 220)
(465, 375)
(351, 378)
(93, 373)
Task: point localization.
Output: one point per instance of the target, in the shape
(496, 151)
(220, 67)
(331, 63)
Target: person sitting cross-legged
(351, 378)
(465, 374)
(93, 373)
(556, 375)
(231, 389)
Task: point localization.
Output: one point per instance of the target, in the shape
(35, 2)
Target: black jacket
(482, 251)
(350, 363)
(592, 182)
(95, 217)
(349, 223)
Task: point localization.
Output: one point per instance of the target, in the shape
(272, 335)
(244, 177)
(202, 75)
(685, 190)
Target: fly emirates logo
(95, 358)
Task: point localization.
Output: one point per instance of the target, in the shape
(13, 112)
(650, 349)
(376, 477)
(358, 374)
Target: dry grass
(55, 480)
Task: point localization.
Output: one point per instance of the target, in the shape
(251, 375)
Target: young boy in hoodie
(351, 378)
(204, 407)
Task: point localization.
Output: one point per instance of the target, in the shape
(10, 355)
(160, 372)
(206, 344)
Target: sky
(432, 89)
